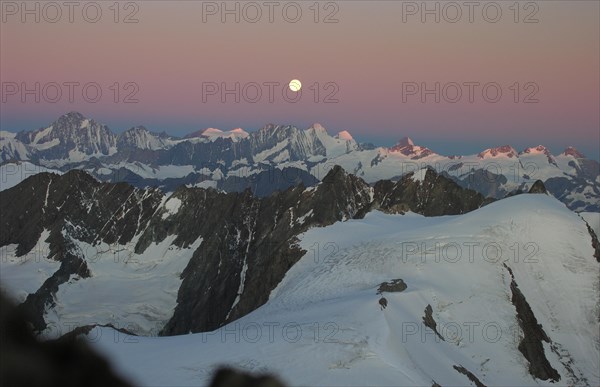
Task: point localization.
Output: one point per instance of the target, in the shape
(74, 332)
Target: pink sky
(369, 54)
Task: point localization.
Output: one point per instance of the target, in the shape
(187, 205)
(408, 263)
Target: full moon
(295, 85)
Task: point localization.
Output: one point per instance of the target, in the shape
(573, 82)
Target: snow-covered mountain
(234, 160)
(505, 151)
(571, 151)
(505, 294)
(473, 288)
(72, 138)
(408, 148)
(141, 138)
(89, 232)
(212, 134)
(525, 316)
(11, 148)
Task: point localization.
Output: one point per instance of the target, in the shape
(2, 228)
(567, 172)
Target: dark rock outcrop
(533, 334)
(26, 361)
(469, 375)
(538, 188)
(429, 322)
(395, 285)
(484, 181)
(435, 195)
(264, 183)
(228, 377)
(595, 242)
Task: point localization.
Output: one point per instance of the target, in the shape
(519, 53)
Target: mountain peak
(79, 137)
(534, 149)
(142, 138)
(214, 133)
(335, 174)
(538, 188)
(139, 128)
(344, 135)
(268, 127)
(407, 147)
(203, 132)
(72, 119)
(318, 127)
(211, 132)
(540, 149)
(572, 151)
(405, 141)
(73, 115)
(501, 151)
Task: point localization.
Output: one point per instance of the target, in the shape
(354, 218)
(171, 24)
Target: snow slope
(323, 325)
(137, 292)
(20, 276)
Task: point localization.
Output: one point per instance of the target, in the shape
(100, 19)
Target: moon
(295, 85)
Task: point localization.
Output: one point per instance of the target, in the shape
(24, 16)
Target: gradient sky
(369, 54)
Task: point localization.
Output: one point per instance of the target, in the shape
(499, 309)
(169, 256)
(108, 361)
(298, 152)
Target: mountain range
(363, 265)
(277, 157)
